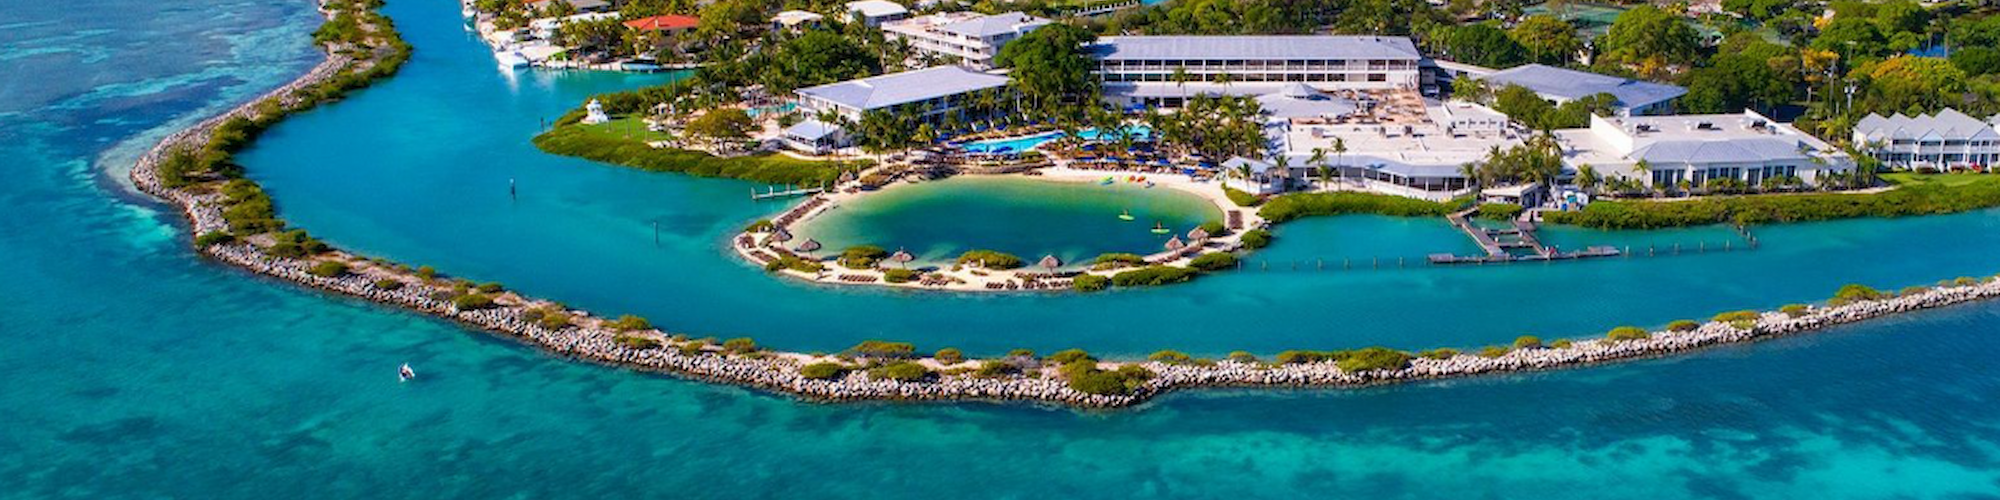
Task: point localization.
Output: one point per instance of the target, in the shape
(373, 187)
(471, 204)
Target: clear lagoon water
(936, 221)
(134, 369)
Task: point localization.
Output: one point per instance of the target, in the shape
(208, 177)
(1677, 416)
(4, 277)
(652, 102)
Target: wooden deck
(1496, 250)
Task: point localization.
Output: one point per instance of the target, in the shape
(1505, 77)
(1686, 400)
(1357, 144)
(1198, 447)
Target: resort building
(928, 93)
(1693, 150)
(814, 136)
(581, 6)
(1163, 71)
(1635, 97)
(668, 25)
(970, 38)
(1944, 141)
(872, 13)
(1393, 142)
(795, 19)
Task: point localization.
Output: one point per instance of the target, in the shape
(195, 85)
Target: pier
(771, 192)
(1521, 235)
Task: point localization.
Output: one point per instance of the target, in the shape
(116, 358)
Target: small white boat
(405, 374)
(511, 59)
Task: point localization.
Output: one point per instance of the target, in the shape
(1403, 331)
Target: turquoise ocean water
(132, 369)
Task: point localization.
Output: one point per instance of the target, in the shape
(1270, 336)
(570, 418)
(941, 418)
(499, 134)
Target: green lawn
(624, 128)
(1950, 179)
(610, 143)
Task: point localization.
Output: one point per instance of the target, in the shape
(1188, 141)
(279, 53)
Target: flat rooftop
(906, 87)
(1140, 48)
(1571, 84)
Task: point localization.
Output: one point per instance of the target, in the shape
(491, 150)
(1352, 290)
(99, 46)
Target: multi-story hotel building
(970, 37)
(1142, 70)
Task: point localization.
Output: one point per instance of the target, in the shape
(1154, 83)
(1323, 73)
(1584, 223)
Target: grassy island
(604, 144)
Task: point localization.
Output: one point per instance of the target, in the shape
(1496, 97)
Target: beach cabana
(808, 246)
(902, 258)
(1198, 234)
(1050, 262)
(1174, 244)
(780, 234)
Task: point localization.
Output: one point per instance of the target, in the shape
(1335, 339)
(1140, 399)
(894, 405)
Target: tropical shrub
(1241, 198)
(1856, 293)
(1116, 260)
(902, 371)
(740, 345)
(1500, 211)
(1793, 310)
(1256, 238)
(628, 323)
(1213, 261)
(900, 275)
(1171, 357)
(990, 259)
(1070, 356)
(883, 349)
(1373, 358)
(328, 269)
(1153, 276)
(213, 238)
(1439, 353)
(1298, 205)
(1089, 283)
(822, 371)
(1528, 342)
(636, 341)
(388, 284)
(472, 301)
(949, 356)
(1493, 351)
(1628, 333)
(1242, 357)
(862, 256)
(1683, 325)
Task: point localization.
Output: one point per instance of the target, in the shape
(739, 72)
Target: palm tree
(1645, 170)
(1586, 178)
(1318, 161)
(1284, 167)
(1470, 172)
(1340, 149)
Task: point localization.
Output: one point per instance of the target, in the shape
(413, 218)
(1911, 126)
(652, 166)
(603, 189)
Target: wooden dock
(788, 191)
(1496, 250)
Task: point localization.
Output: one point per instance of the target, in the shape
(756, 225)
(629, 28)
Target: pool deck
(763, 247)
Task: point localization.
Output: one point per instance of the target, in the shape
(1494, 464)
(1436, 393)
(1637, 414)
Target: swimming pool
(1024, 143)
(782, 108)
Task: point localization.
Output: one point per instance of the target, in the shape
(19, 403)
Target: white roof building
(875, 12)
(935, 89)
(1141, 70)
(1695, 149)
(1635, 97)
(795, 18)
(970, 37)
(1948, 139)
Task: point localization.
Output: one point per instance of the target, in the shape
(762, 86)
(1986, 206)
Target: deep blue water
(133, 369)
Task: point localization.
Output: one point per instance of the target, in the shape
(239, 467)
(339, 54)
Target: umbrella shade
(902, 256)
(1051, 262)
(1197, 233)
(809, 245)
(780, 234)
(1174, 244)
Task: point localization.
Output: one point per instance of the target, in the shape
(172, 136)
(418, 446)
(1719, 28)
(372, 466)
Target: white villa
(1140, 70)
(873, 13)
(1946, 140)
(1559, 85)
(1697, 148)
(930, 92)
(970, 37)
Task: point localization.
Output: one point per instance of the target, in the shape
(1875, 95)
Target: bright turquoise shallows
(1025, 217)
(133, 369)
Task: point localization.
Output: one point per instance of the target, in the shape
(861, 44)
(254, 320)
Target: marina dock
(1497, 243)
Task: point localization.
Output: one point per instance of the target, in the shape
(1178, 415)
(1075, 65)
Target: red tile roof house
(669, 24)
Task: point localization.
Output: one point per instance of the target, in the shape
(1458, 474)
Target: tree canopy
(814, 58)
(1048, 64)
